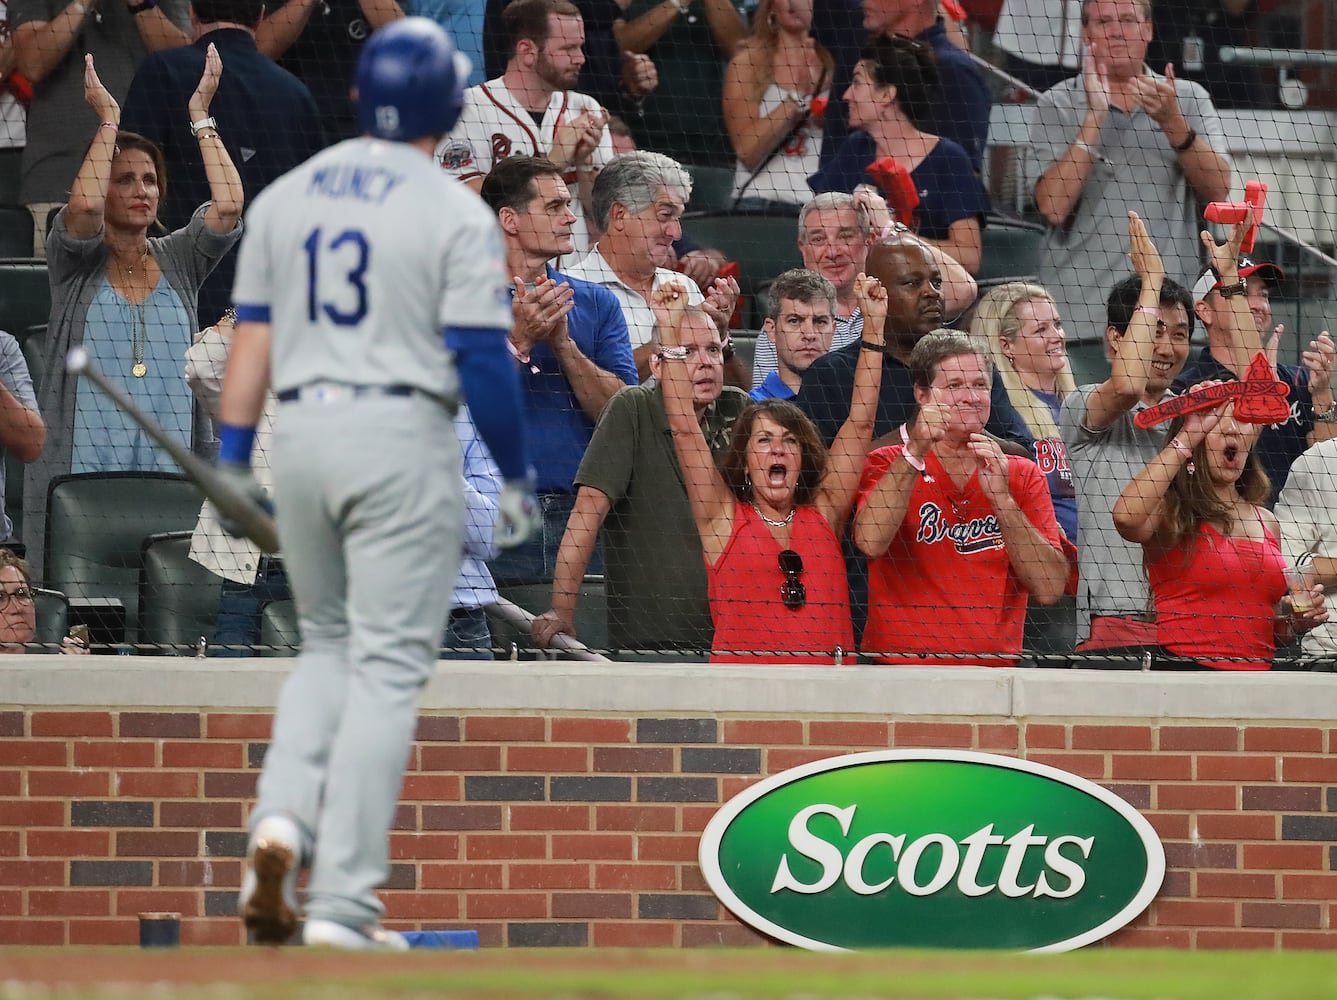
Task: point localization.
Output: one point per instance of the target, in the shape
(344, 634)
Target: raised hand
(669, 302)
(1224, 257)
(97, 96)
(872, 299)
(208, 86)
(1146, 259)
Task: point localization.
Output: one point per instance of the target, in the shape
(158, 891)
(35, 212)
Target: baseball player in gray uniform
(357, 264)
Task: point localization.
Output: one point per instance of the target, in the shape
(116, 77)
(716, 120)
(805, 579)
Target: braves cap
(1210, 281)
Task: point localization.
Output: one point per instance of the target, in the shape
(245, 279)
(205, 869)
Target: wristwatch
(197, 127)
(1328, 416)
(143, 5)
(1229, 291)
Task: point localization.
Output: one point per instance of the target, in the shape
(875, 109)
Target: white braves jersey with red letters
(494, 125)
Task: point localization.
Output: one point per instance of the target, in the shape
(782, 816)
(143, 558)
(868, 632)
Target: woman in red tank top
(770, 522)
(1212, 551)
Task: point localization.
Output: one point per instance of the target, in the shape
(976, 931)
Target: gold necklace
(138, 322)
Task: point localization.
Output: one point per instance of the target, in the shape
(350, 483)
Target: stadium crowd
(915, 477)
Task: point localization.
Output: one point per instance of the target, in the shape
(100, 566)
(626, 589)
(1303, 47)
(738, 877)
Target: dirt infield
(269, 974)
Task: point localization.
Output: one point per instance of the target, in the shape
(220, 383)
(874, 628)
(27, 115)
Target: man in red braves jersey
(529, 109)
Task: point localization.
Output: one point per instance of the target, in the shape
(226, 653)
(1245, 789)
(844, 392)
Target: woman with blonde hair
(1021, 324)
(774, 90)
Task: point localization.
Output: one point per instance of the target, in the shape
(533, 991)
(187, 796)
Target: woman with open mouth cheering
(770, 517)
(1213, 552)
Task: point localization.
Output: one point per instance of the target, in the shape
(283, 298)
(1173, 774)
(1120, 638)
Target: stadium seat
(536, 598)
(712, 189)
(278, 629)
(11, 168)
(763, 246)
(178, 598)
(25, 297)
(16, 231)
(1010, 252)
(96, 524)
(53, 616)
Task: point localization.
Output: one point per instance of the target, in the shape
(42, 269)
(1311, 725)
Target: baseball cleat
(330, 934)
(269, 889)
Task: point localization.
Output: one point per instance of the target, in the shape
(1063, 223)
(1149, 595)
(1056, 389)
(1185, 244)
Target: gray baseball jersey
(360, 254)
(357, 259)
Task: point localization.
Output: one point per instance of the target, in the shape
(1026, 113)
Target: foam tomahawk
(234, 505)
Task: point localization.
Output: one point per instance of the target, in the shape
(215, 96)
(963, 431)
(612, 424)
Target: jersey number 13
(336, 276)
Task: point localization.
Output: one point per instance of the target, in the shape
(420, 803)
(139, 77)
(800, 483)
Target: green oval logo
(931, 849)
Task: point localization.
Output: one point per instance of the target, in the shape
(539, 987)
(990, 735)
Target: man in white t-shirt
(530, 109)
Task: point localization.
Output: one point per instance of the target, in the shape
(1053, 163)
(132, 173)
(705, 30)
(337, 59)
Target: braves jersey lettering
(979, 534)
(1051, 456)
(372, 184)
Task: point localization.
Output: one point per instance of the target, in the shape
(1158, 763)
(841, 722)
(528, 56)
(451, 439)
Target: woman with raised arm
(1212, 550)
(770, 517)
(128, 298)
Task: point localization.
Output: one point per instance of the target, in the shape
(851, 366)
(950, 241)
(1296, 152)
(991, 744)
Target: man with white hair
(639, 199)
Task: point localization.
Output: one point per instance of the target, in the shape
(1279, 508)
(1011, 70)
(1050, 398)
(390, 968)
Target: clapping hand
(720, 302)
(1159, 98)
(1320, 359)
(991, 466)
(1096, 82)
(539, 313)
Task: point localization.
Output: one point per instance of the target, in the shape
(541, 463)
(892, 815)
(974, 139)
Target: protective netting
(1013, 138)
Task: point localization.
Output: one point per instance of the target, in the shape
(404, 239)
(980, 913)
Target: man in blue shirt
(800, 322)
(569, 339)
(267, 119)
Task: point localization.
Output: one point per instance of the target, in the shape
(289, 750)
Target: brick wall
(579, 827)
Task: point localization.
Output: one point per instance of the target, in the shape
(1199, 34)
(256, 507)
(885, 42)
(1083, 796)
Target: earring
(747, 483)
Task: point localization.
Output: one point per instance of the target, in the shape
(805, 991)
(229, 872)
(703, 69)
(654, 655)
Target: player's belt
(338, 392)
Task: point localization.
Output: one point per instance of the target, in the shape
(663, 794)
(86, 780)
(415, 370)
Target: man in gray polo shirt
(1114, 139)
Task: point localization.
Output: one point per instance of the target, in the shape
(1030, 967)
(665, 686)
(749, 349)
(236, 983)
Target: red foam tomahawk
(898, 186)
(1259, 399)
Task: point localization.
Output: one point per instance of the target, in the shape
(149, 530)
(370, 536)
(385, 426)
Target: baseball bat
(255, 523)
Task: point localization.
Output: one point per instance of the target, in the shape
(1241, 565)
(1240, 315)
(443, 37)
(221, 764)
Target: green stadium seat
(178, 598)
(763, 246)
(11, 169)
(16, 230)
(53, 616)
(712, 188)
(96, 524)
(25, 297)
(1010, 252)
(279, 635)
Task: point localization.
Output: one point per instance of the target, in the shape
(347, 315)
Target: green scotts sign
(931, 849)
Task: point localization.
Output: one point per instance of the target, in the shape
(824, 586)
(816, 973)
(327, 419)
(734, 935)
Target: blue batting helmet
(410, 81)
